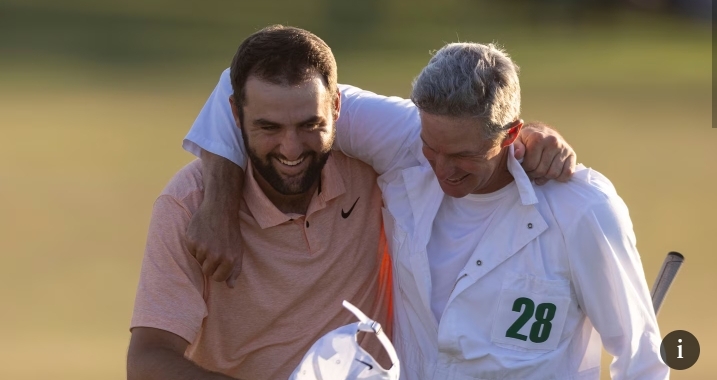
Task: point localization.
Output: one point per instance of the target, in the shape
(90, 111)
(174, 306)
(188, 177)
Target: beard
(293, 185)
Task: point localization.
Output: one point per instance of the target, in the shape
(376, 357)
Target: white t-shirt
(458, 228)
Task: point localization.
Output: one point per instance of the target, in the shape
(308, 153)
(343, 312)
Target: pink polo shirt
(296, 271)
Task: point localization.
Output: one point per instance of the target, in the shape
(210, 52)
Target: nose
(443, 167)
(291, 145)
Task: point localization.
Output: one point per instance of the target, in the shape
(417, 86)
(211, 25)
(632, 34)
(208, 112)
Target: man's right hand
(213, 234)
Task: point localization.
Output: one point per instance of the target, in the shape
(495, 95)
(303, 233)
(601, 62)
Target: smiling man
(296, 271)
(494, 277)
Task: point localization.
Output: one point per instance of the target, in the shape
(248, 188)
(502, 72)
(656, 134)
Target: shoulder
(353, 170)
(587, 192)
(186, 187)
(586, 184)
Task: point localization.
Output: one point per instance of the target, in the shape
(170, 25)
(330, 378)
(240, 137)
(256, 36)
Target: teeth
(291, 163)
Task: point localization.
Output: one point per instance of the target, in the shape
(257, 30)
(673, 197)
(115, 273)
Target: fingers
(232, 280)
(199, 254)
(209, 266)
(556, 168)
(568, 169)
(542, 171)
(553, 172)
(539, 156)
(547, 154)
(212, 241)
(531, 160)
(561, 170)
(540, 181)
(192, 246)
(219, 269)
(223, 271)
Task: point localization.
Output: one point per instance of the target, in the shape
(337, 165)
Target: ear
(235, 112)
(337, 105)
(513, 133)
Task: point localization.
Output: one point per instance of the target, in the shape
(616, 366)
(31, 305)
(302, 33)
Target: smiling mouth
(456, 181)
(291, 163)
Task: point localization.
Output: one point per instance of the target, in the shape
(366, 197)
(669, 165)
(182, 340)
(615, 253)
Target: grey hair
(470, 79)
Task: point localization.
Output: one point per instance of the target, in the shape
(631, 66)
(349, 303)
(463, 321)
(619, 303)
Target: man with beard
(296, 272)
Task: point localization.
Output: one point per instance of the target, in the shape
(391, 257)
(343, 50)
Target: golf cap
(337, 355)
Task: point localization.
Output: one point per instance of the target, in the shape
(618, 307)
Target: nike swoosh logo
(369, 365)
(346, 214)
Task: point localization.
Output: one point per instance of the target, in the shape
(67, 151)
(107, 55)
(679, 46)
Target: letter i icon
(679, 349)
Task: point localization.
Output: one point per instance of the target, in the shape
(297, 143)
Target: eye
(269, 128)
(313, 126)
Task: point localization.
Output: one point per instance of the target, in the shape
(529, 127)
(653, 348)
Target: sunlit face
(463, 160)
(288, 132)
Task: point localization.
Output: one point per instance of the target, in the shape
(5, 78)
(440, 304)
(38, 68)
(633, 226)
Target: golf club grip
(665, 277)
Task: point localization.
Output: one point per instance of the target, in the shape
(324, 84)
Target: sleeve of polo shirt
(611, 288)
(378, 130)
(214, 129)
(171, 283)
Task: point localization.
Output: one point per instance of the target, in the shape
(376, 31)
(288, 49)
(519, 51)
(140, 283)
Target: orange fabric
(296, 271)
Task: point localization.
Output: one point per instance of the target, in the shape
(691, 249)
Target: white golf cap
(337, 355)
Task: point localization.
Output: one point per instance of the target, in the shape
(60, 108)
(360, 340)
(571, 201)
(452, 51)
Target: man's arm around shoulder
(156, 354)
(213, 234)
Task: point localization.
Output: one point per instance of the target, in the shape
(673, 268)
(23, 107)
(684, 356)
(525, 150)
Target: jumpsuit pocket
(531, 313)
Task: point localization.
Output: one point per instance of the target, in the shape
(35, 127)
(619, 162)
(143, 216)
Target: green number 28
(540, 330)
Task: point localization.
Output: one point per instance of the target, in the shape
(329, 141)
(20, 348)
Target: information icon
(680, 350)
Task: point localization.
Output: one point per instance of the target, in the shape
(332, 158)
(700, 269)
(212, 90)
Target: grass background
(96, 97)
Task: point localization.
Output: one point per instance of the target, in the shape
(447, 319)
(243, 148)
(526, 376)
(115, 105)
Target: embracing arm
(213, 234)
(384, 133)
(611, 288)
(156, 354)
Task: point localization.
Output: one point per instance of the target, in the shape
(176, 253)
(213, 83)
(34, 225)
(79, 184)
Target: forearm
(165, 364)
(223, 181)
(213, 234)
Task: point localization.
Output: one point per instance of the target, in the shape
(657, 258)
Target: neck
(501, 176)
(288, 204)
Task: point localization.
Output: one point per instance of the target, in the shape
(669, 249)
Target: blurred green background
(95, 98)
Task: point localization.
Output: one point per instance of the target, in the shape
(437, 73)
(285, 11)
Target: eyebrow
(462, 153)
(310, 120)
